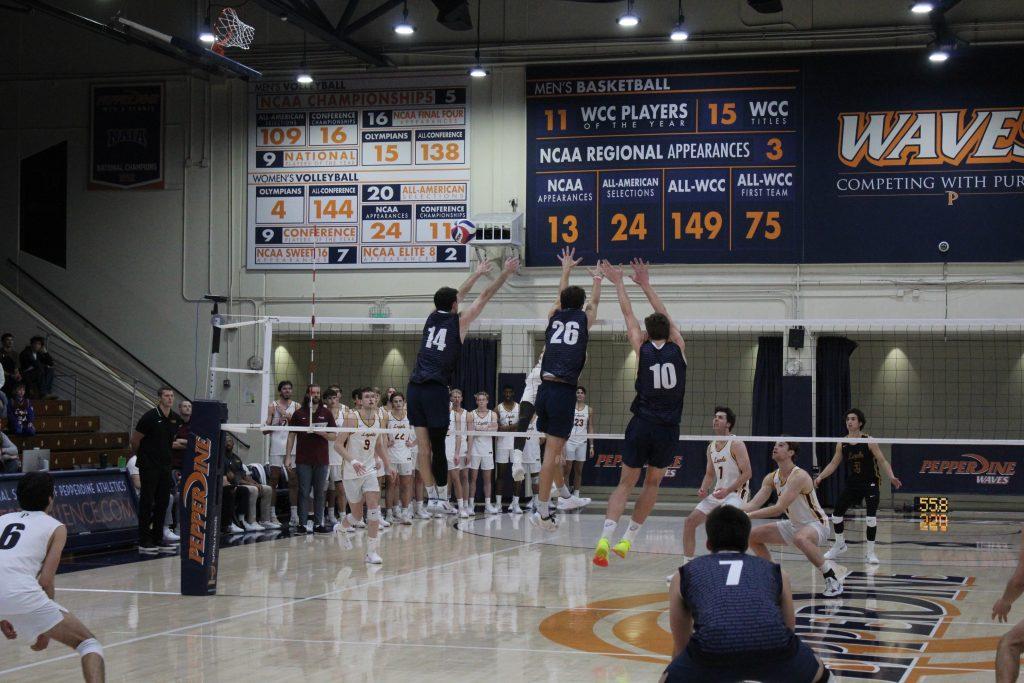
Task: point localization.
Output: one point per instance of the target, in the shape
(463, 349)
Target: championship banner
(202, 470)
(126, 149)
(979, 470)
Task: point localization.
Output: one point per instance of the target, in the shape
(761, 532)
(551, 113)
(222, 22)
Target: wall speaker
(796, 337)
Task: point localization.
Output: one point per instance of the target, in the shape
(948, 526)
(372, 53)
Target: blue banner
(127, 137)
(202, 471)
(977, 470)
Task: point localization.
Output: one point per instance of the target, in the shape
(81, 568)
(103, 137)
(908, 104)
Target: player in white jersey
(31, 542)
(508, 419)
(530, 462)
(362, 451)
(481, 450)
(279, 413)
(806, 527)
(335, 491)
(729, 464)
(576, 446)
(400, 454)
(456, 449)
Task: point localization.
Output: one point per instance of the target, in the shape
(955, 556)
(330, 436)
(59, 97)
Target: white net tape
(232, 31)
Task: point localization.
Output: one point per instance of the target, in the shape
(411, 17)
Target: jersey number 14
(436, 341)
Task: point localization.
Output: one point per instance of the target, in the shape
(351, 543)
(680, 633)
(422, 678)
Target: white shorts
(403, 467)
(502, 456)
(30, 614)
(355, 488)
(709, 502)
(482, 462)
(530, 392)
(532, 467)
(277, 460)
(334, 473)
(788, 530)
(575, 452)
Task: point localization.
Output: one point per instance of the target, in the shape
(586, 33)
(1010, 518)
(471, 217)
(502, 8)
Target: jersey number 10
(664, 375)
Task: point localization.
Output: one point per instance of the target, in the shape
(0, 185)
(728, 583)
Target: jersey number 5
(11, 535)
(735, 569)
(565, 333)
(437, 341)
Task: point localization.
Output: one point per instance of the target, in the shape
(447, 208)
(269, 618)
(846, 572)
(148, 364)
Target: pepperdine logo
(194, 493)
(943, 137)
(986, 471)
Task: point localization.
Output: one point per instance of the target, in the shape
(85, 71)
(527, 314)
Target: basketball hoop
(232, 31)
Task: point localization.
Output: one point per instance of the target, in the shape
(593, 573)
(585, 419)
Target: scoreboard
(357, 173)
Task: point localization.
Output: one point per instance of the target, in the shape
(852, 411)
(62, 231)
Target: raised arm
(566, 257)
(642, 277)
(595, 296)
(831, 466)
(761, 497)
(803, 480)
(633, 332)
(884, 464)
(482, 269)
(474, 310)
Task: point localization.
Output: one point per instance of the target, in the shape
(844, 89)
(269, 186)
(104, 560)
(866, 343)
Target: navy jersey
(861, 467)
(565, 345)
(735, 603)
(439, 350)
(660, 383)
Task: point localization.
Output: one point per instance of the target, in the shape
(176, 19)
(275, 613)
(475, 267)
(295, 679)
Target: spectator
(9, 460)
(152, 442)
(731, 614)
(9, 360)
(37, 368)
(259, 493)
(20, 414)
(311, 457)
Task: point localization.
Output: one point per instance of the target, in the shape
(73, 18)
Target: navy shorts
(427, 404)
(649, 443)
(556, 408)
(800, 668)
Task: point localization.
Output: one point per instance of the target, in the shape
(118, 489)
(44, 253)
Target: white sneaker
(836, 550)
(235, 529)
(251, 526)
(361, 524)
(444, 508)
(389, 517)
(423, 514)
(584, 501)
(833, 587)
(870, 557)
(271, 524)
(293, 521)
(571, 503)
(373, 558)
(514, 509)
(332, 518)
(385, 524)
(170, 535)
(492, 509)
(548, 524)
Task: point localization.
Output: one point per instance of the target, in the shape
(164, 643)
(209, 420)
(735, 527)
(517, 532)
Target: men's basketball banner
(959, 468)
(126, 148)
(199, 508)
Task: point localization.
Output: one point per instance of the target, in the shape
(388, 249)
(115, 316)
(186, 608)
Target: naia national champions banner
(857, 158)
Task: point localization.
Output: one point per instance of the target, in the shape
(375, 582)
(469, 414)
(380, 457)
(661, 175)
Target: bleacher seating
(73, 440)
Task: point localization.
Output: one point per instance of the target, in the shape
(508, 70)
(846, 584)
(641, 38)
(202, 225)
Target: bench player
(508, 418)
(652, 435)
(806, 527)
(576, 447)
(456, 448)
(400, 454)
(279, 413)
(31, 542)
(729, 465)
(481, 452)
(427, 395)
(863, 462)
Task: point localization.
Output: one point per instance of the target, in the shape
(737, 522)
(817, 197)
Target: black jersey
(735, 600)
(439, 350)
(660, 383)
(565, 345)
(861, 467)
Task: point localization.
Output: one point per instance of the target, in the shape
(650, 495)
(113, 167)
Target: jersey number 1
(664, 375)
(436, 342)
(11, 535)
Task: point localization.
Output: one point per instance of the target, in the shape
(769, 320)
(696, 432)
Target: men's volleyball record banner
(963, 469)
(202, 472)
(358, 173)
(828, 159)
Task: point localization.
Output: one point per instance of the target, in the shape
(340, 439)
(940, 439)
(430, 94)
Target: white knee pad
(89, 646)
(837, 520)
(871, 521)
(373, 515)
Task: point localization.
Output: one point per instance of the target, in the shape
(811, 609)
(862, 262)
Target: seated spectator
(37, 368)
(731, 614)
(20, 414)
(257, 492)
(9, 360)
(9, 460)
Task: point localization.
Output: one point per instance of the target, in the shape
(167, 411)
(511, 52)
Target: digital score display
(933, 513)
(673, 167)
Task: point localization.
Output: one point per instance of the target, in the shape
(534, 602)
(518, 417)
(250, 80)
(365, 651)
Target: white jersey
(580, 420)
(456, 422)
(279, 418)
(805, 508)
(531, 449)
(533, 381)
(399, 450)
(483, 445)
(507, 418)
(333, 454)
(363, 447)
(26, 536)
(727, 470)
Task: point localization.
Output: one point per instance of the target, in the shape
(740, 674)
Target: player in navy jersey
(732, 616)
(565, 353)
(652, 436)
(427, 394)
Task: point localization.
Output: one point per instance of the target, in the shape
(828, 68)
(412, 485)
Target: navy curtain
(477, 371)
(833, 397)
(766, 407)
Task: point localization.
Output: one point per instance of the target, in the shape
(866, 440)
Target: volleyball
(463, 231)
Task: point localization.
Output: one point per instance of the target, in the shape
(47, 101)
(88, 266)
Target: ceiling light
(404, 28)
(478, 71)
(629, 19)
(304, 78)
(922, 7)
(938, 55)
(206, 35)
(679, 32)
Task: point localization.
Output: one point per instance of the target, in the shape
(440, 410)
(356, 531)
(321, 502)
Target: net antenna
(231, 31)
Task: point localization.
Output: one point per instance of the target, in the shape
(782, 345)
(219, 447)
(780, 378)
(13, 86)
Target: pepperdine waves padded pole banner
(853, 158)
(959, 468)
(202, 470)
(358, 173)
(126, 150)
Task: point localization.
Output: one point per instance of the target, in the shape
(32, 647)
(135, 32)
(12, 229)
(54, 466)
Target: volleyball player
(361, 451)
(729, 465)
(279, 413)
(863, 461)
(565, 352)
(335, 489)
(29, 556)
(481, 452)
(508, 418)
(652, 435)
(400, 454)
(456, 449)
(438, 354)
(806, 526)
(576, 450)
(530, 463)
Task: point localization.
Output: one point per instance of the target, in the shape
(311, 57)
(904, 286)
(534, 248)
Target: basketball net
(231, 31)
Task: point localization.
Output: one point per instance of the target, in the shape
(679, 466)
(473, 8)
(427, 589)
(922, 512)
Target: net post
(200, 498)
(265, 380)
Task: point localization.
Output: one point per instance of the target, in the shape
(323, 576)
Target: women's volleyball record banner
(852, 159)
(358, 173)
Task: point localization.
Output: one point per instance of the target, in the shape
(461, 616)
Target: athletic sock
(373, 544)
(515, 502)
(871, 546)
(543, 506)
(295, 510)
(442, 493)
(564, 491)
(631, 531)
(840, 539)
(432, 492)
(497, 500)
(828, 570)
(609, 529)
(576, 493)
